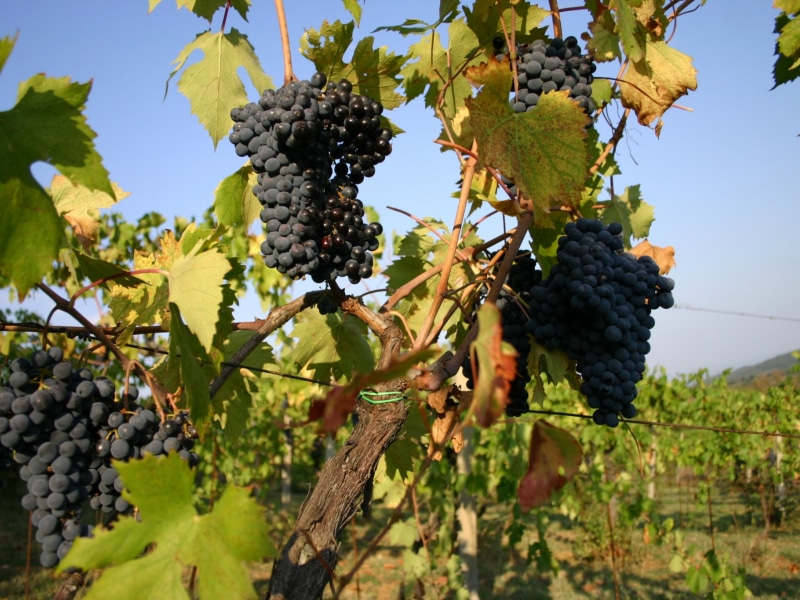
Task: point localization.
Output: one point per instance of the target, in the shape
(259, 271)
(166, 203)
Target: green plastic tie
(374, 397)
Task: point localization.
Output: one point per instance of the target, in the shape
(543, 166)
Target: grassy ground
(772, 559)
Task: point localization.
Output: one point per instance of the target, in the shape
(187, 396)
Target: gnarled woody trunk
(311, 553)
(309, 557)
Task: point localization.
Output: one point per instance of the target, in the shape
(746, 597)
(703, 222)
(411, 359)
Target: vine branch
(288, 72)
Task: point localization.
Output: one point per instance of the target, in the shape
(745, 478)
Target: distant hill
(770, 371)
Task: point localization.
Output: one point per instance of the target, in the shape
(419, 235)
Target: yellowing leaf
(212, 85)
(787, 48)
(145, 304)
(555, 456)
(172, 535)
(663, 257)
(543, 151)
(196, 286)
(652, 86)
(77, 204)
(6, 46)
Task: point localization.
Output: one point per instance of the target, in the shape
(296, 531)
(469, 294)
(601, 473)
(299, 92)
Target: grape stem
(452, 250)
(556, 18)
(454, 363)
(619, 130)
(288, 72)
(225, 16)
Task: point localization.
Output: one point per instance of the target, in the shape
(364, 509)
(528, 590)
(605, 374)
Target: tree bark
(309, 557)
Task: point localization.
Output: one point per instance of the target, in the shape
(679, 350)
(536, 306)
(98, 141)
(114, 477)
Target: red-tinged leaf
(341, 401)
(554, 459)
(494, 364)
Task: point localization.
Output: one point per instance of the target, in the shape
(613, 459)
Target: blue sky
(720, 177)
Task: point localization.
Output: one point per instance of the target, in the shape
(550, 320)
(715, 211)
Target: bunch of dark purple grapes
(512, 303)
(311, 145)
(596, 305)
(557, 66)
(56, 423)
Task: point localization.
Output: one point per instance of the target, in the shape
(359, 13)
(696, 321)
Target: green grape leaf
(553, 365)
(234, 202)
(212, 84)
(207, 8)
(632, 212)
(554, 459)
(196, 285)
(405, 451)
(95, 269)
(543, 151)
(46, 124)
(448, 11)
(434, 68)
(652, 86)
(186, 356)
(487, 22)
(496, 363)
(332, 345)
(604, 43)
(354, 8)
(172, 535)
(233, 401)
(6, 46)
(601, 91)
(404, 533)
(372, 71)
(545, 240)
(631, 33)
(787, 47)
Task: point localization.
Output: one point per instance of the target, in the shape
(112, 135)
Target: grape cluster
(557, 66)
(512, 302)
(55, 420)
(124, 435)
(311, 145)
(596, 305)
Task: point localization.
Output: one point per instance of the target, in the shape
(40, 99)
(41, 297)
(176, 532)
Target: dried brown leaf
(664, 256)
